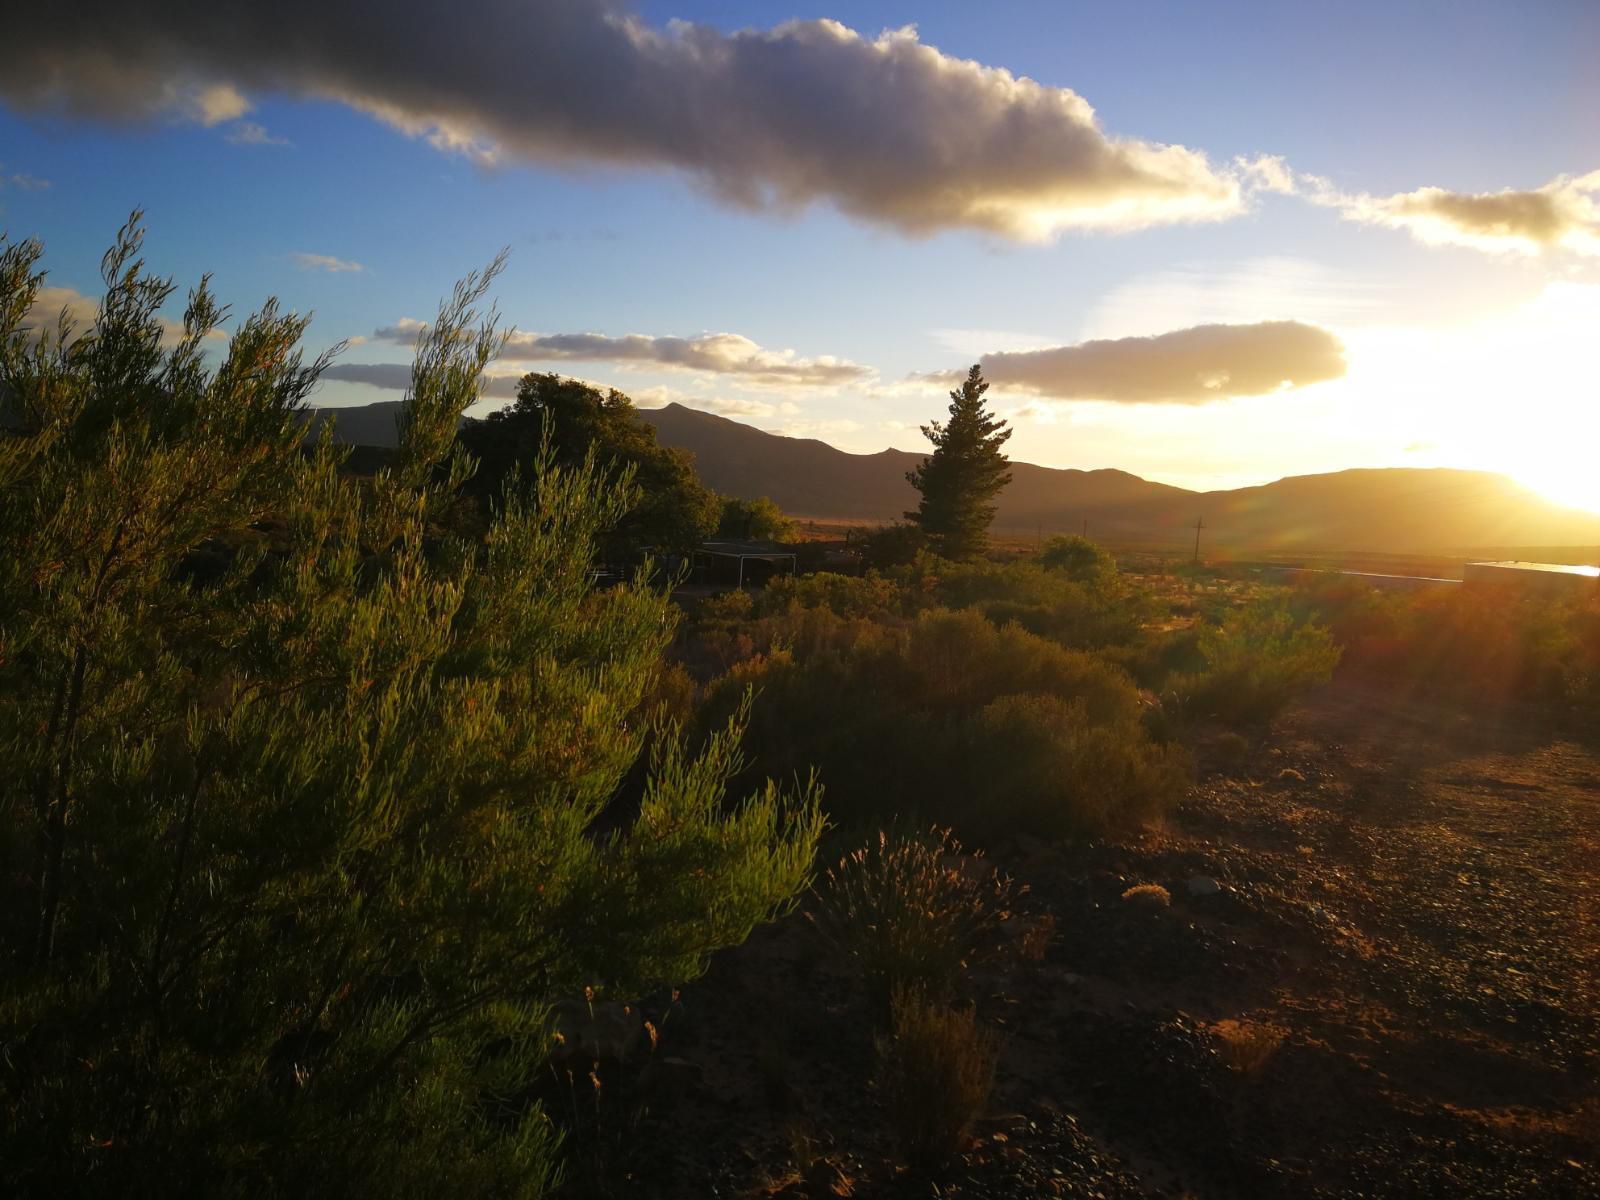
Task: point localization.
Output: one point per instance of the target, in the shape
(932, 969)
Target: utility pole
(1198, 526)
(1086, 529)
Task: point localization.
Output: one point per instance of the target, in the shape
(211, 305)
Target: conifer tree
(964, 473)
(299, 802)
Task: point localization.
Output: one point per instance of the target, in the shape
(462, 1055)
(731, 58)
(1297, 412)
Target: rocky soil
(1377, 977)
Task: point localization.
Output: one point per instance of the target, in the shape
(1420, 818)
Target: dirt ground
(1377, 977)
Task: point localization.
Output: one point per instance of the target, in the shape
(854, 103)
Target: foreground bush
(296, 788)
(910, 913)
(935, 1072)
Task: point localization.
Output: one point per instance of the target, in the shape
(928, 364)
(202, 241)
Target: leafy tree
(673, 509)
(754, 520)
(1079, 559)
(299, 793)
(964, 473)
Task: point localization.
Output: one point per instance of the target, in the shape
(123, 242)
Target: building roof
(731, 549)
(1542, 568)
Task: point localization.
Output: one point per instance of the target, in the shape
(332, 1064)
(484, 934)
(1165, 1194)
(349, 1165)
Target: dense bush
(1079, 559)
(754, 520)
(1257, 660)
(897, 720)
(298, 790)
(1088, 613)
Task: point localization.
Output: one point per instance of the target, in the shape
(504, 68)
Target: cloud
(1564, 214)
(324, 262)
(1186, 366)
(728, 354)
(206, 104)
(884, 128)
(21, 179)
(249, 133)
(82, 312)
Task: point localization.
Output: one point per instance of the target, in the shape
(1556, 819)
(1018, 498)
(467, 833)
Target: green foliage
(758, 520)
(965, 472)
(1257, 660)
(671, 510)
(935, 1073)
(870, 596)
(1044, 767)
(908, 911)
(1079, 559)
(893, 717)
(1082, 614)
(299, 790)
(895, 545)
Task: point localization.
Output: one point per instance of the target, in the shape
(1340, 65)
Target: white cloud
(324, 262)
(725, 354)
(884, 128)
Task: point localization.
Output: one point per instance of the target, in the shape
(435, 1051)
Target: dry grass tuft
(1247, 1046)
(935, 1070)
(1148, 895)
(913, 912)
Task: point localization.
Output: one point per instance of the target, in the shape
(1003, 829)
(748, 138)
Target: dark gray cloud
(885, 128)
(713, 353)
(1186, 366)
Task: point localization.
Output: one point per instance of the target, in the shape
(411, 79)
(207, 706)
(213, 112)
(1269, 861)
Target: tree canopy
(299, 811)
(672, 509)
(964, 473)
(754, 520)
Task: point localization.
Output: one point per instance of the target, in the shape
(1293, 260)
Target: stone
(1202, 885)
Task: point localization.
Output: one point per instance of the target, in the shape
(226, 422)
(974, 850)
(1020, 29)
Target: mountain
(1389, 510)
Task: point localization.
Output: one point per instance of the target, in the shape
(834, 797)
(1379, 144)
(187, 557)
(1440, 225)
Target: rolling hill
(1388, 510)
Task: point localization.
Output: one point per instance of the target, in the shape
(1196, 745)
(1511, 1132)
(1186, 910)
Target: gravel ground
(1377, 978)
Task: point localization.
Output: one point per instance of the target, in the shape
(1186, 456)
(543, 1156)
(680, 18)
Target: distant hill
(1392, 510)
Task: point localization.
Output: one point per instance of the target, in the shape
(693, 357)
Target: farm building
(1545, 579)
(739, 563)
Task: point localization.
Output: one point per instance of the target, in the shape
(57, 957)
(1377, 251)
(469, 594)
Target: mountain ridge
(1375, 509)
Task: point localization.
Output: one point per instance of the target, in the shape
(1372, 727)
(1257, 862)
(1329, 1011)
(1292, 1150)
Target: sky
(1213, 245)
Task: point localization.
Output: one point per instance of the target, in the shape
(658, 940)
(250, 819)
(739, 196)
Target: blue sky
(1462, 333)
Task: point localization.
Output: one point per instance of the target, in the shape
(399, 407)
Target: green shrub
(871, 596)
(935, 1073)
(911, 912)
(1258, 660)
(898, 722)
(1038, 764)
(298, 847)
(1079, 559)
(754, 520)
(892, 545)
